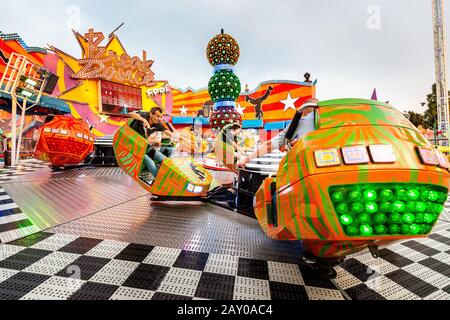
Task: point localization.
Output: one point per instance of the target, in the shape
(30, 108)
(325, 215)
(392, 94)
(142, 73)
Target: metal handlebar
(293, 126)
(295, 122)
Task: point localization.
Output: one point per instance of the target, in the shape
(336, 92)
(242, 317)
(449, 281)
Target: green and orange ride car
(178, 178)
(365, 177)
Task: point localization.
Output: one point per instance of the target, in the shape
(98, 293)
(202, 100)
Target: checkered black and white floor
(57, 266)
(409, 270)
(68, 266)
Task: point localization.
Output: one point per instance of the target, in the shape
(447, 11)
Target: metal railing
(439, 141)
(26, 151)
(27, 147)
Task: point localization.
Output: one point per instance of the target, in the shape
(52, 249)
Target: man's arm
(267, 147)
(170, 134)
(263, 149)
(238, 148)
(136, 116)
(153, 141)
(164, 128)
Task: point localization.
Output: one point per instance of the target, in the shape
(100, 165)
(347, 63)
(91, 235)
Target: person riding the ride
(306, 125)
(168, 144)
(227, 149)
(147, 124)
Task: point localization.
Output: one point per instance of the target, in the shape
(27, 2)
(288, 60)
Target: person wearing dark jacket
(147, 124)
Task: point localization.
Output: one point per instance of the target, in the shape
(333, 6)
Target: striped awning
(252, 124)
(279, 125)
(182, 120)
(190, 120)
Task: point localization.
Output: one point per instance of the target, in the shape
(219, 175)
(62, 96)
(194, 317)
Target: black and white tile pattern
(14, 224)
(409, 270)
(59, 266)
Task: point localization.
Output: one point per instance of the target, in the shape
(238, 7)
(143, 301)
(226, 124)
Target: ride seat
(266, 202)
(272, 217)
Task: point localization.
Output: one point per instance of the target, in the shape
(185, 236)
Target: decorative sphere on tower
(222, 49)
(224, 86)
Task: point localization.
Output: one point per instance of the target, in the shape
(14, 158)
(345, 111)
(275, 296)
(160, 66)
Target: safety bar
(296, 120)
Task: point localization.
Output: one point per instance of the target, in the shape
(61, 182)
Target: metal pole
(112, 33)
(13, 131)
(20, 71)
(22, 123)
(435, 133)
(440, 58)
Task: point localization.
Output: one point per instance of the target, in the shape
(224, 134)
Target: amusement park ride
(64, 141)
(364, 177)
(24, 80)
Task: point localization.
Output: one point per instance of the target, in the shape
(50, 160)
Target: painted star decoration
(184, 110)
(289, 103)
(240, 110)
(103, 118)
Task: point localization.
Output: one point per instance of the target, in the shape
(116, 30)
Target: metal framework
(18, 68)
(440, 56)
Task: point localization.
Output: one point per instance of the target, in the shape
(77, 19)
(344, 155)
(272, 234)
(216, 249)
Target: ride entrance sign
(99, 63)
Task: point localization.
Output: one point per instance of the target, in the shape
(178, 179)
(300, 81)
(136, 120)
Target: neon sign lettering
(155, 91)
(109, 66)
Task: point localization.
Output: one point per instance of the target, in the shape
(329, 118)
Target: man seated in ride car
(168, 147)
(227, 149)
(230, 136)
(305, 126)
(146, 125)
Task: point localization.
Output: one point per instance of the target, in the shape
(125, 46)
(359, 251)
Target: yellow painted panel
(148, 103)
(60, 72)
(87, 93)
(116, 46)
(70, 61)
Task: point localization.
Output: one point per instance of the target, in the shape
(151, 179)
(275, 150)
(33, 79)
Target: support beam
(440, 56)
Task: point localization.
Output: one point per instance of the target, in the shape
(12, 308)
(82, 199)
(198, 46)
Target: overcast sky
(350, 46)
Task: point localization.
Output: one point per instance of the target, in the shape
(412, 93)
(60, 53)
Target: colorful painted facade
(81, 80)
(278, 106)
(10, 43)
(106, 60)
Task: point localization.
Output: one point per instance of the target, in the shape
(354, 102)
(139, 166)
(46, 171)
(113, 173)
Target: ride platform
(126, 246)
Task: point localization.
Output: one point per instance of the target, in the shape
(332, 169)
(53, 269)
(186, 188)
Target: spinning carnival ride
(64, 141)
(365, 177)
(178, 178)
